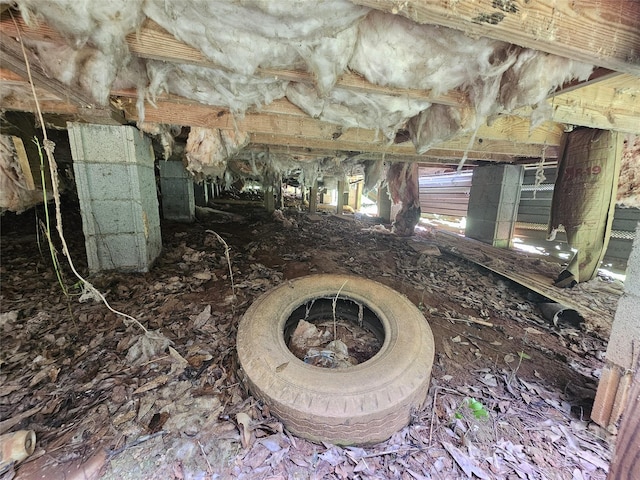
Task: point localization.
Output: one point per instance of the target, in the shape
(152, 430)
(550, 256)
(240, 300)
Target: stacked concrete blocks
(177, 188)
(493, 204)
(115, 178)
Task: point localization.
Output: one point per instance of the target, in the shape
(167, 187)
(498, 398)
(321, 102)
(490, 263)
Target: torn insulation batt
(244, 44)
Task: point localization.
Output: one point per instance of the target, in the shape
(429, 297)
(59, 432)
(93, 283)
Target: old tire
(362, 404)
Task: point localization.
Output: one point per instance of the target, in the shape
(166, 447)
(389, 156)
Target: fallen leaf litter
(169, 404)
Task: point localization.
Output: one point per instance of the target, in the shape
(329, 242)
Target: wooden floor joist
(601, 32)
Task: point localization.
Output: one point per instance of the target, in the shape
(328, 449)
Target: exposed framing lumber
(12, 56)
(154, 42)
(22, 103)
(598, 75)
(605, 101)
(283, 128)
(306, 154)
(601, 32)
(568, 107)
(508, 135)
(626, 458)
(449, 151)
(610, 104)
(505, 128)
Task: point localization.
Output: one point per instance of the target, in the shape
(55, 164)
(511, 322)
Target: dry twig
(226, 254)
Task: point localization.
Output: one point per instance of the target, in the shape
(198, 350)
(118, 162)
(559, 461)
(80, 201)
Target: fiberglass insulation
(211, 86)
(248, 42)
(208, 149)
(498, 77)
(247, 35)
(96, 33)
(357, 109)
(85, 68)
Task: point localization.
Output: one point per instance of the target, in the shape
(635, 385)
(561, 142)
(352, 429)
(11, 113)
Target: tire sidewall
(396, 377)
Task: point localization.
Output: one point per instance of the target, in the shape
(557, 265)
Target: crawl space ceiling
(328, 87)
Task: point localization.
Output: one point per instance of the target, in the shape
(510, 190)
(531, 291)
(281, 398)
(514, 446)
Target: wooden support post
(584, 198)
(626, 460)
(358, 202)
(23, 161)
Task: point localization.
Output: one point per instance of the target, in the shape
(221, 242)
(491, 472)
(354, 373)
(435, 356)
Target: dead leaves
(315, 344)
(244, 424)
(104, 382)
(467, 465)
(155, 383)
(489, 448)
(149, 345)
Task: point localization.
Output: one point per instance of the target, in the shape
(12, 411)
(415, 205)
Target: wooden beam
(503, 127)
(517, 129)
(510, 129)
(485, 152)
(598, 75)
(601, 32)
(11, 56)
(23, 102)
(611, 104)
(306, 154)
(507, 137)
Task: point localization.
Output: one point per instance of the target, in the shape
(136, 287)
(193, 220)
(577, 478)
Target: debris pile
(333, 345)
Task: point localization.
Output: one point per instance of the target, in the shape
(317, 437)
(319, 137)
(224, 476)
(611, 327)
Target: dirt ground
(510, 393)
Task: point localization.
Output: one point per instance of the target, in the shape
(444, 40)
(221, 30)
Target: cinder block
(606, 394)
(115, 178)
(173, 169)
(503, 231)
(479, 229)
(632, 282)
(178, 196)
(625, 330)
(493, 203)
